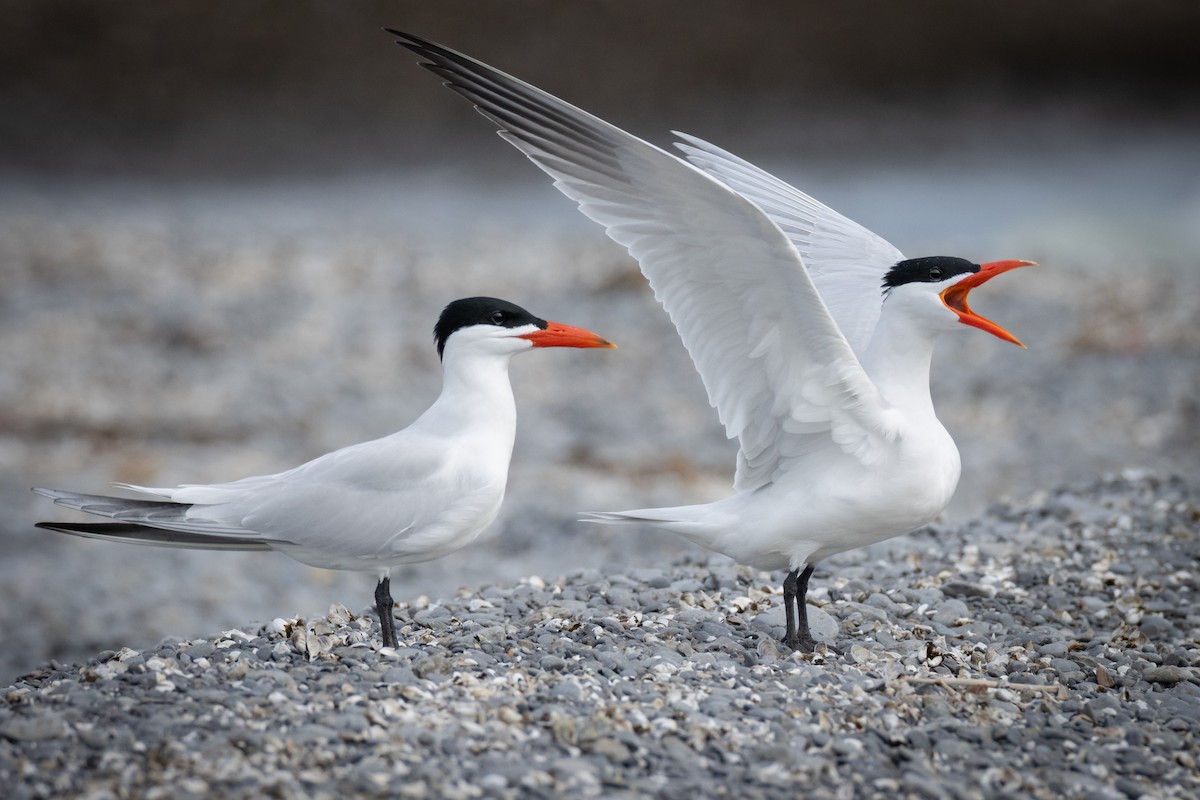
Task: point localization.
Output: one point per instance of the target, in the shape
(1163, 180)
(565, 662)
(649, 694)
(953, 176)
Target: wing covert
(846, 261)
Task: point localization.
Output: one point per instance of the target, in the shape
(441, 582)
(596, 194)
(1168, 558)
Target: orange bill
(558, 335)
(955, 297)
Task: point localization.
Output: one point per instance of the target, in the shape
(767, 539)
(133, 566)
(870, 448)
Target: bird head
(487, 324)
(935, 288)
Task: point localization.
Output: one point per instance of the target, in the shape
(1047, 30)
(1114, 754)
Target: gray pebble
(1168, 676)
(1053, 649)
(617, 685)
(950, 611)
(965, 589)
(33, 729)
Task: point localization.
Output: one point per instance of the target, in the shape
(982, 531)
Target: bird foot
(803, 644)
(807, 644)
(389, 638)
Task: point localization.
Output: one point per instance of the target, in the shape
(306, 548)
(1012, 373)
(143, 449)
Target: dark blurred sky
(248, 88)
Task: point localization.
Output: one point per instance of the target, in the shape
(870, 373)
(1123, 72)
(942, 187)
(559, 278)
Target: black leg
(795, 610)
(383, 605)
(789, 608)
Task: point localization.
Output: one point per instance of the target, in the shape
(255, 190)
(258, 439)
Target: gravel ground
(1048, 649)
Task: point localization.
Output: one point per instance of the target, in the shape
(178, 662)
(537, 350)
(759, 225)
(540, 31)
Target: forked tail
(701, 524)
(617, 517)
(160, 523)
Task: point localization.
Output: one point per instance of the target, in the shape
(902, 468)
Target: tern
(413, 496)
(812, 335)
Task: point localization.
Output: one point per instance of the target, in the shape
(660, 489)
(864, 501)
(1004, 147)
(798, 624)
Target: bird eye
(498, 317)
(935, 273)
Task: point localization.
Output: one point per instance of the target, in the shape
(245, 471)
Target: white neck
(898, 359)
(476, 399)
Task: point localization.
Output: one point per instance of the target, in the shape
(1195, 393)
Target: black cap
(481, 311)
(929, 269)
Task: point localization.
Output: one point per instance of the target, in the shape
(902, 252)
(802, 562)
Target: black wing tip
(401, 35)
(412, 42)
(137, 533)
(436, 54)
(93, 528)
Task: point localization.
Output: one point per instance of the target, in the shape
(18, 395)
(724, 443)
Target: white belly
(838, 504)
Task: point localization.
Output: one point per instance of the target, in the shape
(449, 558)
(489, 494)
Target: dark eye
(498, 317)
(935, 273)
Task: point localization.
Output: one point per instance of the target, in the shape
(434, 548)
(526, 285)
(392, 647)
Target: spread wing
(847, 262)
(780, 373)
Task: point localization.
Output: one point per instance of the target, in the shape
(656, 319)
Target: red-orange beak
(558, 335)
(955, 297)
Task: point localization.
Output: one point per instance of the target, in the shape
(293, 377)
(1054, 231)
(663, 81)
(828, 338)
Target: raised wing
(846, 262)
(779, 372)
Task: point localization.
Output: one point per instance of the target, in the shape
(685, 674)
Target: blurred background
(226, 230)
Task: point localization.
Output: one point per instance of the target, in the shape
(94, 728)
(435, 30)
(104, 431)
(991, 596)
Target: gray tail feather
(132, 533)
(111, 507)
(613, 517)
(162, 514)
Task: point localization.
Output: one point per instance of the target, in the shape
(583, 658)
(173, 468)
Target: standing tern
(413, 496)
(813, 336)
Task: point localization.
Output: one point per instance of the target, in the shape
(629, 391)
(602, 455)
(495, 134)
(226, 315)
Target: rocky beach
(1045, 649)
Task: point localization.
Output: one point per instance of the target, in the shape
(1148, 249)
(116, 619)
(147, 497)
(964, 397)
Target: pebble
(35, 729)
(1168, 676)
(968, 672)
